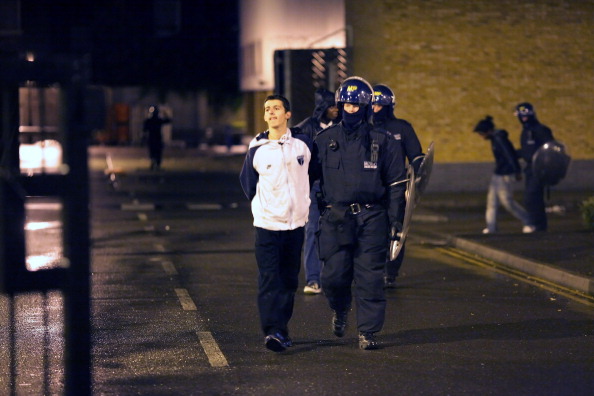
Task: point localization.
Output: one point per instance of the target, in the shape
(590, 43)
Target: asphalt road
(174, 313)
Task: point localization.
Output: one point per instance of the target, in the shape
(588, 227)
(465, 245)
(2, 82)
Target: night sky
(126, 48)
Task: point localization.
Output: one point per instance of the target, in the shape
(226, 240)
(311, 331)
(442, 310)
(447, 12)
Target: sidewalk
(564, 255)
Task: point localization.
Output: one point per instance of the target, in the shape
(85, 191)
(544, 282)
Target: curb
(568, 279)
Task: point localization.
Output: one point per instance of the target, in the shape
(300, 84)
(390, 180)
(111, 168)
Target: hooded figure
(325, 114)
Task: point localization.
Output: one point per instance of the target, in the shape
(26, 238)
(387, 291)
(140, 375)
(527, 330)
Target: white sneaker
(486, 231)
(312, 288)
(528, 229)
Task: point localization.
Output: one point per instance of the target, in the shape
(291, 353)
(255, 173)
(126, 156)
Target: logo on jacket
(300, 159)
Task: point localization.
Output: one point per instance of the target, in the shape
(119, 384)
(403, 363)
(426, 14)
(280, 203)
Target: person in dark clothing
(384, 103)
(324, 115)
(360, 166)
(152, 128)
(534, 135)
(507, 168)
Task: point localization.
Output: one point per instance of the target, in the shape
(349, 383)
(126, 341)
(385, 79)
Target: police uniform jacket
(275, 179)
(404, 134)
(350, 173)
(534, 134)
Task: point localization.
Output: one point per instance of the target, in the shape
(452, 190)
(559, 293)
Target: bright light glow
(45, 261)
(42, 156)
(30, 56)
(42, 225)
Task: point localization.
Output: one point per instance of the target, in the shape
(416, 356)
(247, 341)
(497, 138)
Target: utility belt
(354, 208)
(341, 221)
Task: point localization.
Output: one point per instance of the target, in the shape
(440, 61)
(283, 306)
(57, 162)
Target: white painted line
(185, 300)
(212, 350)
(169, 268)
(142, 216)
(137, 206)
(204, 206)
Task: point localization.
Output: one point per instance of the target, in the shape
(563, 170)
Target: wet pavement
(172, 272)
(564, 255)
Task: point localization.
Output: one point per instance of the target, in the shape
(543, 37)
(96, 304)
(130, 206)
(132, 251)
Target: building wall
(269, 25)
(453, 62)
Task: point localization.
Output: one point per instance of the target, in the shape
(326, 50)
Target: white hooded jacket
(275, 178)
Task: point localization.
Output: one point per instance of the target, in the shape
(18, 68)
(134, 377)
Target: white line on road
(212, 350)
(185, 300)
(169, 268)
(205, 206)
(136, 205)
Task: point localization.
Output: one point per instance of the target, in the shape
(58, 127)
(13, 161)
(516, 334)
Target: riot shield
(424, 172)
(396, 245)
(550, 163)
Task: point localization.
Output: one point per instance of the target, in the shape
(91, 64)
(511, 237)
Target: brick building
(452, 62)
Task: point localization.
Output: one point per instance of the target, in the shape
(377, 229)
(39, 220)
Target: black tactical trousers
(361, 261)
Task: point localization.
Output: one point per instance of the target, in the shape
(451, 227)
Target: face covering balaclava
(353, 120)
(381, 116)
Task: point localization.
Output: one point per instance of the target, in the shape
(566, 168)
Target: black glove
(395, 230)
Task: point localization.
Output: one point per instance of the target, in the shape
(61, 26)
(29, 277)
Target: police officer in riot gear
(360, 167)
(534, 135)
(383, 104)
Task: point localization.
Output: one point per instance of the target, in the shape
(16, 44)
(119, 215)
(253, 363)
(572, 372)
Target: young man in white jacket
(275, 178)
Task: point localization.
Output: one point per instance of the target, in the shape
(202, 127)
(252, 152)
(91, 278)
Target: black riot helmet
(354, 90)
(383, 96)
(525, 110)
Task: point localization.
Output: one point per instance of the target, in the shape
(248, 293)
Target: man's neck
(276, 133)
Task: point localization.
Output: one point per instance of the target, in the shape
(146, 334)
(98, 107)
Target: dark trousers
(534, 200)
(278, 254)
(361, 262)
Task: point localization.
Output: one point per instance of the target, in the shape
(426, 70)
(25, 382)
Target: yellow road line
(572, 294)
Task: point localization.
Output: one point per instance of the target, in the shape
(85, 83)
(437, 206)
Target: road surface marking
(136, 205)
(142, 216)
(212, 350)
(185, 300)
(204, 206)
(169, 268)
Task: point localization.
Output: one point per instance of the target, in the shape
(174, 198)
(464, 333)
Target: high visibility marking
(185, 300)
(571, 294)
(212, 350)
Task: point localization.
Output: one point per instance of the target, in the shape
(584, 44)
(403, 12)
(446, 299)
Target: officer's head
(383, 103)
(382, 96)
(525, 112)
(353, 98)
